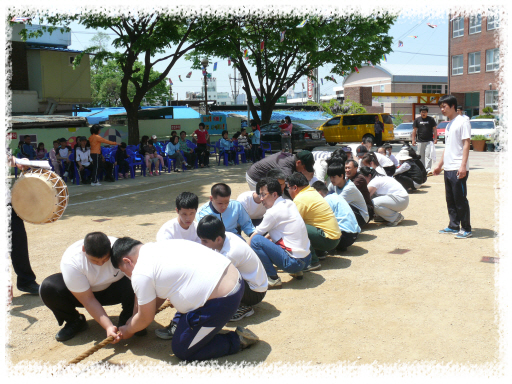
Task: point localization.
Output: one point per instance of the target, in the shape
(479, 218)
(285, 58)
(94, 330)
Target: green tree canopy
(343, 42)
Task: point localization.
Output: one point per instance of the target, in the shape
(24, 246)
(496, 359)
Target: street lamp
(204, 62)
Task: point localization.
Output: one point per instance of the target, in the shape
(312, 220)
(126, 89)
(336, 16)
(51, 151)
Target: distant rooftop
(101, 114)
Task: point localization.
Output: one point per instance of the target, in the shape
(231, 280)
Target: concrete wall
(24, 102)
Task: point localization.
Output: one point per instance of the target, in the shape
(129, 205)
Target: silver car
(403, 132)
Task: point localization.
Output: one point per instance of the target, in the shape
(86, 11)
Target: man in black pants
(88, 280)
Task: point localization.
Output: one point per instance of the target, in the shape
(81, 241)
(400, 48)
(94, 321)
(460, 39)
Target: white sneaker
(66, 174)
(97, 183)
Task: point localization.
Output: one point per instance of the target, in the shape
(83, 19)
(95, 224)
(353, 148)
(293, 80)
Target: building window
(431, 88)
(492, 59)
(475, 24)
(446, 89)
(382, 88)
(493, 22)
(474, 62)
(491, 99)
(458, 27)
(457, 65)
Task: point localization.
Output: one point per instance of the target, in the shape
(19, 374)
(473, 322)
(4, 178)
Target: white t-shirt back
(386, 185)
(80, 274)
(246, 261)
(184, 272)
(457, 130)
(384, 161)
(283, 221)
(173, 230)
(255, 211)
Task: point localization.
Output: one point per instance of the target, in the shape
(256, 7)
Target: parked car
(303, 137)
(485, 127)
(355, 127)
(403, 132)
(441, 128)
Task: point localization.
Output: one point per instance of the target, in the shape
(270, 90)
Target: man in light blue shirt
(344, 215)
(230, 212)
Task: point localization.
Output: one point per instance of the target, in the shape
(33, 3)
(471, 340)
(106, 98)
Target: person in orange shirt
(95, 140)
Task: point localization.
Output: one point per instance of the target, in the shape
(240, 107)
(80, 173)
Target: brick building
(474, 62)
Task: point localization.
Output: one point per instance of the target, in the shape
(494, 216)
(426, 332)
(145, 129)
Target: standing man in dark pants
(456, 169)
(424, 132)
(379, 128)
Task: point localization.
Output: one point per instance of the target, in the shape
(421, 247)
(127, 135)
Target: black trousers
(63, 303)
(390, 171)
(346, 240)
(457, 201)
(203, 153)
(378, 139)
(256, 154)
(251, 297)
(19, 251)
(359, 218)
(82, 172)
(190, 157)
(96, 166)
(406, 181)
(123, 167)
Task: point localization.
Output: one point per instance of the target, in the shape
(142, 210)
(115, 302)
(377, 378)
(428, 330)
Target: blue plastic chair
(263, 149)
(217, 146)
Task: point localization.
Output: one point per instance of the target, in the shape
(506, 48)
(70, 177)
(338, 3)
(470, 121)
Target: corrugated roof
(48, 48)
(281, 114)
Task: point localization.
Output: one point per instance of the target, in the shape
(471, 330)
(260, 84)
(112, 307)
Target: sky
(429, 47)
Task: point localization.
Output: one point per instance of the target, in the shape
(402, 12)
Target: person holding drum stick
(95, 140)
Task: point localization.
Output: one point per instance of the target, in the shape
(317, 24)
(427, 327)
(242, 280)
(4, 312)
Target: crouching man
(88, 280)
(204, 287)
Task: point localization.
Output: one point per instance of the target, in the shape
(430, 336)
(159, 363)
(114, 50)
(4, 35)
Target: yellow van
(353, 128)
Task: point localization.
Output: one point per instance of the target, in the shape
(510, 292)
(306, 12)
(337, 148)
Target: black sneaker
(32, 288)
(322, 255)
(72, 328)
(241, 312)
(167, 333)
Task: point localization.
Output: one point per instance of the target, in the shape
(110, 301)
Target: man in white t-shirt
(456, 169)
(286, 244)
(460, 112)
(252, 204)
(214, 236)
(88, 280)
(182, 227)
(204, 287)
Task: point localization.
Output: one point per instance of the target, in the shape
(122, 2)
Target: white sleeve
(465, 132)
(403, 168)
(144, 289)
(266, 225)
(75, 280)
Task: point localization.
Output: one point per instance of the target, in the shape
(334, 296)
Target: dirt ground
(403, 294)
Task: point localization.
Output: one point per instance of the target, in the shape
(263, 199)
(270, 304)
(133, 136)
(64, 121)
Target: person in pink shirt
(202, 136)
(286, 135)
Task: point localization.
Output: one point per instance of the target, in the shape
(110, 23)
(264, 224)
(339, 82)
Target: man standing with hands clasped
(456, 168)
(424, 131)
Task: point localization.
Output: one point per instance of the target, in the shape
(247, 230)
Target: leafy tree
(334, 107)
(138, 35)
(344, 42)
(399, 118)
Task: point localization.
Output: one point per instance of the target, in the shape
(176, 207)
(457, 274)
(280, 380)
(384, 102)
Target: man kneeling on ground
(286, 244)
(88, 280)
(204, 287)
(212, 233)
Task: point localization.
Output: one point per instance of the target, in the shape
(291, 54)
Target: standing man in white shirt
(182, 227)
(460, 112)
(214, 236)
(88, 280)
(456, 169)
(204, 287)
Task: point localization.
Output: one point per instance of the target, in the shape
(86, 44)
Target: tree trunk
(266, 112)
(133, 125)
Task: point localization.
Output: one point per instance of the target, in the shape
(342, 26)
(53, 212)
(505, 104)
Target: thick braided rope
(107, 341)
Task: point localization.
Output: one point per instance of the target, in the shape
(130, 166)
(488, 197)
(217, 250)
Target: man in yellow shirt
(323, 230)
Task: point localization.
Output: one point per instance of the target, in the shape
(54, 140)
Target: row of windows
(492, 62)
(434, 88)
(475, 24)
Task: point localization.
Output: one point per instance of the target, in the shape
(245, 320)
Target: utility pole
(234, 90)
(205, 64)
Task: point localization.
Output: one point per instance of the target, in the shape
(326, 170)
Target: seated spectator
(252, 203)
(347, 189)
(83, 161)
(27, 150)
(244, 143)
(213, 235)
(182, 227)
(408, 173)
(381, 163)
(389, 149)
(63, 155)
(231, 212)
(155, 158)
(142, 150)
(323, 231)
(287, 244)
(188, 153)
(226, 146)
(359, 181)
(122, 161)
(173, 151)
(389, 197)
(344, 215)
(41, 152)
(56, 164)
(108, 169)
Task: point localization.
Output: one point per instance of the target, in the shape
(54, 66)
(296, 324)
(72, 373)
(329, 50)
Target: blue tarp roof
(98, 115)
(279, 115)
